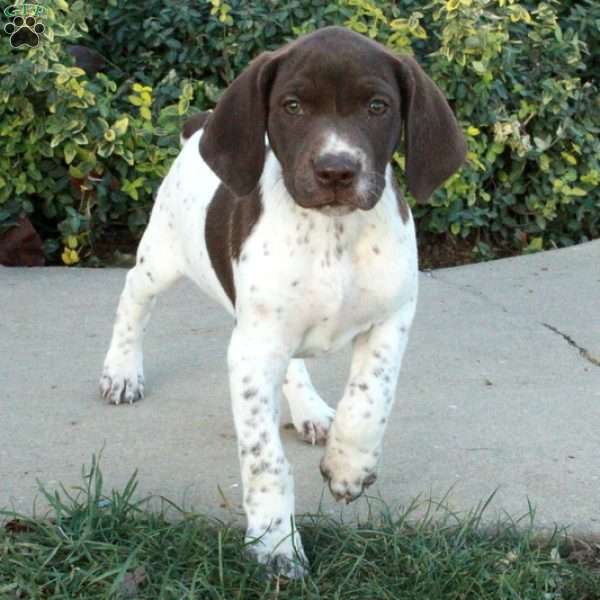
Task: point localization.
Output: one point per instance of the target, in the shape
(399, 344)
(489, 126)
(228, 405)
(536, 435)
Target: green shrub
(83, 156)
(208, 40)
(517, 81)
(514, 77)
(80, 154)
(33, 170)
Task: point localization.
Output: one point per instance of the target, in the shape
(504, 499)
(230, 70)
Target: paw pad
(24, 32)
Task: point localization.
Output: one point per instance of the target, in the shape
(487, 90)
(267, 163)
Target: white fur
(331, 280)
(335, 144)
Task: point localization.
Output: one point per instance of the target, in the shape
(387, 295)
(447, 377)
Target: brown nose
(336, 170)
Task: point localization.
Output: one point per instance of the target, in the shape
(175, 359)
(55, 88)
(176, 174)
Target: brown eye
(292, 107)
(377, 107)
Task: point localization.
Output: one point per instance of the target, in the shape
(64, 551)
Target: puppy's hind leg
(157, 267)
(311, 416)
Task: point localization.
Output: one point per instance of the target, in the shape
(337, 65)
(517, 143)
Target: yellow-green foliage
(84, 156)
(79, 152)
(514, 78)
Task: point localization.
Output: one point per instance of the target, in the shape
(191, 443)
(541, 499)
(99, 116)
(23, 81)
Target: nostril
(346, 176)
(331, 176)
(333, 170)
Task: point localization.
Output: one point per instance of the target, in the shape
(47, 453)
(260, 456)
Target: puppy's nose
(336, 170)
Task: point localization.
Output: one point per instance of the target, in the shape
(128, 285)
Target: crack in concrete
(472, 291)
(469, 290)
(585, 353)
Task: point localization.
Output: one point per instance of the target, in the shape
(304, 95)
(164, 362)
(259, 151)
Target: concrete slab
(500, 389)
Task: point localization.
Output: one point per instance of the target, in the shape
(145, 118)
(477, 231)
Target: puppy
(282, 207)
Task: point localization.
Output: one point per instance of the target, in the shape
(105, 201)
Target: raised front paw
(348, 470)
(122, 382)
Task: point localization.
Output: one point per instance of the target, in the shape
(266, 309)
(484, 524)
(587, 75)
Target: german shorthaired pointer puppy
(282, 207)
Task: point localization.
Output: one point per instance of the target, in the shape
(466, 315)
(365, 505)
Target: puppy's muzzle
(336, 172)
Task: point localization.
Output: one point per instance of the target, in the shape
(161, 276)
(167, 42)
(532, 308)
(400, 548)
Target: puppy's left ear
(233, 142)
(435, 146)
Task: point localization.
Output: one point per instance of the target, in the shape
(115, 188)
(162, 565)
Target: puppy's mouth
(335, 199)
(335, 203)
(335, 209)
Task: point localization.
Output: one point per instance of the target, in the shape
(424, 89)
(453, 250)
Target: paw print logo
(24, 32)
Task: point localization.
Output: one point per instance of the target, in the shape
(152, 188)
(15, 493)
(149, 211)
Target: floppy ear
(435, 146)
(233, 142)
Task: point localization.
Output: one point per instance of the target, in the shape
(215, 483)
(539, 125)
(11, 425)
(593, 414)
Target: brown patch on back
(403, 207)
(194, 123)
(229, 222)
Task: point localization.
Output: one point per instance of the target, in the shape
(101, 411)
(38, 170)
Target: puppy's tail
(193, 124)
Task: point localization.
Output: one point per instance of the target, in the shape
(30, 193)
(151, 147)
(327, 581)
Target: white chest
(326, 278)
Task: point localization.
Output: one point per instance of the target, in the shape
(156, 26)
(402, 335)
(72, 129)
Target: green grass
(99, 546)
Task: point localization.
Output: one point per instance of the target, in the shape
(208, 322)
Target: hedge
(82, 155)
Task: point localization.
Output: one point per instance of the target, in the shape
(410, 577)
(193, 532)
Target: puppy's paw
(315, 431)
(282, 565)
(311, 416)
(314, 422)
(348, 471)
(281, 560)
(122, 382)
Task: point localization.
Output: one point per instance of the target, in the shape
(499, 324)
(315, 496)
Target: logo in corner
(25, 27)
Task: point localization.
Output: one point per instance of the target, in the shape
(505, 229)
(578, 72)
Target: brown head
(334, 106)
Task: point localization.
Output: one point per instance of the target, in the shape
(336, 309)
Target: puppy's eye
(377, 106)
(292, 107)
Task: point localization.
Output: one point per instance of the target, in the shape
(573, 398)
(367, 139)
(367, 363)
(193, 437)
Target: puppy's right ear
(233, 142)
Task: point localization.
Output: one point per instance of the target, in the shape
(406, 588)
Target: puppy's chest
(330, 278)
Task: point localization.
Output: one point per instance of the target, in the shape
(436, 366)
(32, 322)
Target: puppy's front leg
(354, 443)
(257, 366)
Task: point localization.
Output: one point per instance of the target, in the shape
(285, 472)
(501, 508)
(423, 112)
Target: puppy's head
(334, 106)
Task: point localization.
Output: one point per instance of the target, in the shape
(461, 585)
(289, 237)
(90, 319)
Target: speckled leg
(156, 269)
(354, 444)
(256, 371)
(311, 416)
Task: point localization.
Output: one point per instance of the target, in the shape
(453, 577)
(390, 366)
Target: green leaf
(120, 126)
(57, 139)
(479, 66)
(70, 152)
(62, 78)
(577, 191)
(105, 149)
(536, 244)
(76, 172)
(182, 106)
(75, 71)
(145, 113)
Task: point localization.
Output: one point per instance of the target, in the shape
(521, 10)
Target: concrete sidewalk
(500, 389)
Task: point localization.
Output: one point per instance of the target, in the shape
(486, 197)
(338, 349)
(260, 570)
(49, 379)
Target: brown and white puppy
(282, 207)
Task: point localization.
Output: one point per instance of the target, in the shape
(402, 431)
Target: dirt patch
(441, 251)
